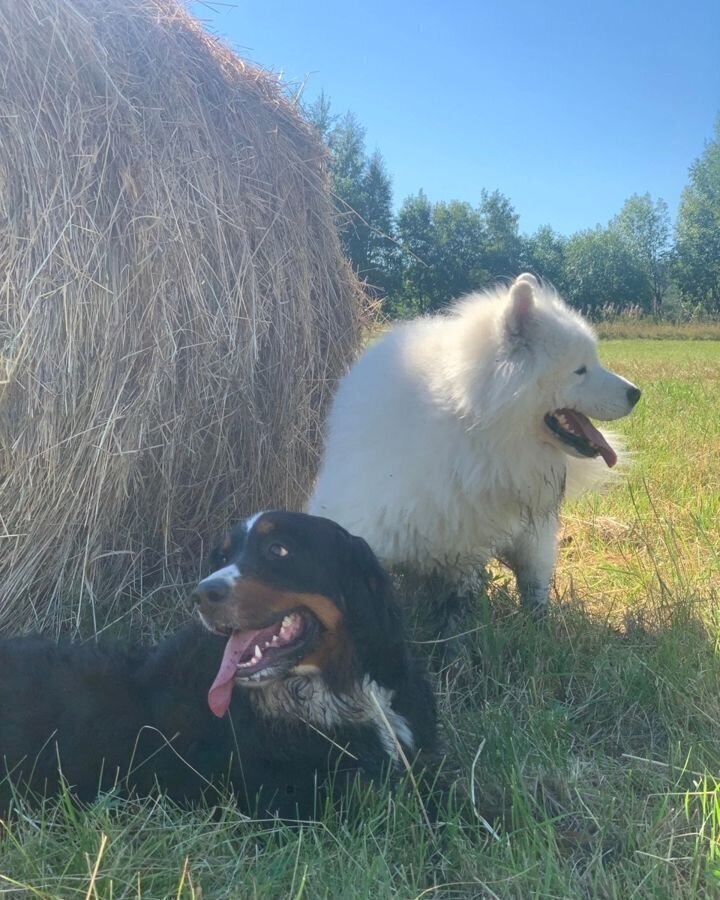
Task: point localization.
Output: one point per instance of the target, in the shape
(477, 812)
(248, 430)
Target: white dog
(454, 438)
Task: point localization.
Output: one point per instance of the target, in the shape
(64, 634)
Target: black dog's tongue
(220, 693)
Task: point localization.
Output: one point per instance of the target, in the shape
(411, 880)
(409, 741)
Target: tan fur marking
(334, 657)
(252, 604)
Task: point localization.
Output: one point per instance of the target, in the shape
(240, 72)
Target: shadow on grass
(592, 751)
(589, 745)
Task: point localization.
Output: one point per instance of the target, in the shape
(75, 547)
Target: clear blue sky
(566, 107)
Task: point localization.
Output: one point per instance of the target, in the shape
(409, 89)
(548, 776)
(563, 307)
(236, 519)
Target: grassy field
(624, 327)
(592, 745)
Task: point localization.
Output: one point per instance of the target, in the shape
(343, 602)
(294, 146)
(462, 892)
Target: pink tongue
(220, 693)
(590, 432)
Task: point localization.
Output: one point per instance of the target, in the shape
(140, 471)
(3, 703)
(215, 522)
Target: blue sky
(566, 107)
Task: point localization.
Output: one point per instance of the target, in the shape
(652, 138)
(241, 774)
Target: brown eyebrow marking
(265, 526)
(251, 600)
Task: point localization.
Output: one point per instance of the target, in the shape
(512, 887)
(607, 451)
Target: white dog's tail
(585, 475)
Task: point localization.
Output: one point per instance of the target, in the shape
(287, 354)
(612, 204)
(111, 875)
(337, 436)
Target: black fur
(131, 719)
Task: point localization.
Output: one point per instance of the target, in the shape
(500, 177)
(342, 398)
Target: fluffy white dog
(454, 438)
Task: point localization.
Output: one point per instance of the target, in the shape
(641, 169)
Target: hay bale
(174, 306)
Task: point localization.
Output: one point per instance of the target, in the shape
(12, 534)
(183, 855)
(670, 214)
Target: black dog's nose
(633, 395)
(214, 589)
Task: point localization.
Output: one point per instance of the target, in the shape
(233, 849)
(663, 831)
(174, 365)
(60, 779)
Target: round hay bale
(174, 306)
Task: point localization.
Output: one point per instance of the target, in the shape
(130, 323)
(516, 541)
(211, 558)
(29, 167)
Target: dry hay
(174, 307)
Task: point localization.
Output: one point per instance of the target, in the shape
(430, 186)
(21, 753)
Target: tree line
(421, 257)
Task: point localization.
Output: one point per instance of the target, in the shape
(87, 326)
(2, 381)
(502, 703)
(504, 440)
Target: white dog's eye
(581, 371)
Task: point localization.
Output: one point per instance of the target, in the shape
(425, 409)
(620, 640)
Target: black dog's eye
(581, 371)
(277, 550)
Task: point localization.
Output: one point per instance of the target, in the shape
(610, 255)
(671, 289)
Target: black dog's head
(298, 594)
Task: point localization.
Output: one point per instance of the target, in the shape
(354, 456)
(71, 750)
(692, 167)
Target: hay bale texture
(174, 306)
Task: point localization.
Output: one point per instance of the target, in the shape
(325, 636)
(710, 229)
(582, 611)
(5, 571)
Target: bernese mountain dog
(297, 683)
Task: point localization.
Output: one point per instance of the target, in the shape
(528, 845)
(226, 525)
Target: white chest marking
(307, 697)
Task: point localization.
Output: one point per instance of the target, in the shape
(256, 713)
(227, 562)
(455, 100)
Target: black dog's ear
(366, 566)
(375, 619)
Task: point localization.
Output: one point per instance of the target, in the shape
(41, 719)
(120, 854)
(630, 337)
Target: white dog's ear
(521, 310)
(529, 279)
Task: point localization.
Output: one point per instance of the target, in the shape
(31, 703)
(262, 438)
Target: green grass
(592, 745)
(646, 328)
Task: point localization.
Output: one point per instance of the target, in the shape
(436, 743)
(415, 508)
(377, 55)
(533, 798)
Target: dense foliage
(423, 255)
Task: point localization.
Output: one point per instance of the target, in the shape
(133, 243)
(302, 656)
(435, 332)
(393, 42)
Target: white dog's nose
(633, 395)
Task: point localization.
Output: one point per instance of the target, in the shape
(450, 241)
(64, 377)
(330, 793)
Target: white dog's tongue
(591, 434)
(220, 693)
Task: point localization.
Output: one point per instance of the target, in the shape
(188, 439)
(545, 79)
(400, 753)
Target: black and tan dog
(300, 682)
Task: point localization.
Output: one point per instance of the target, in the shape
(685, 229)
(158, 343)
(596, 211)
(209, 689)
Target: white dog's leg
(532, 559)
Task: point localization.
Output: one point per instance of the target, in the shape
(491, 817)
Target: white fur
(437, 452)
(307, 696)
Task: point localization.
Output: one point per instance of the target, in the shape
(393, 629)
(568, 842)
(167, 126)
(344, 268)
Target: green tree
(378, 227)
(460, 252)
(347, 171)
(543, 253)
(418, 245)
(319, 114)
(697, 249)
(644, 226)
(362, 191)
(442, 252)
(501, 239)
(601, 270)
